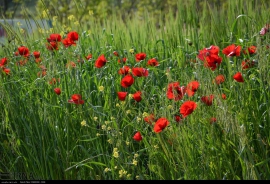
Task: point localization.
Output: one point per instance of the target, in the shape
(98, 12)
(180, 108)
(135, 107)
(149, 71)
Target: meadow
(175, 97)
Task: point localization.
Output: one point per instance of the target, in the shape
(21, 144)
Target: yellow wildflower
(91, 12)
(71, 17)
(131, 51)
(135, 162)
(115, 153)
(145, 114)
(110, 141)
(122, 173)
(83, 123)
(103, 127)
(101, 88)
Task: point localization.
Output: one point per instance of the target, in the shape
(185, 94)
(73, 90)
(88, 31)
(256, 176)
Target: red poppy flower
(16, 53)
(24, 51)
(122, 95)
(76, 99)
(232, 50)
(137, 96)
(54, 38)
(152, 62)
(223, 96)
(88, 57)
(67, 42)
(212, 50)
(115, 53)
(192, 87)
(73, 35)
(210, 57)
(123, 60)
(251, 50)
(175, 92)
(137, 136)
(6, 70)
(52, 46)
(212, 62)
(177, 118)
(187, 108)
(127, 81)
(101, 61)
(3, 62)
(247, 64)
(149, 119)
(57, 91)
(207, 100)
(140, 56)
(238, 77)
(140, 72)
(219, 79)
(36, 54)
(161, 124)
(124, 70)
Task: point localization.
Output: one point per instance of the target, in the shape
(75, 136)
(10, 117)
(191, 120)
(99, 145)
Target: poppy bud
(57, 91)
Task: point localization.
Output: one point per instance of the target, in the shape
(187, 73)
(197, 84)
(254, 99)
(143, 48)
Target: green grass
(41, 133)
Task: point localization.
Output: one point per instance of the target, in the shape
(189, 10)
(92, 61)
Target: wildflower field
(187, 99)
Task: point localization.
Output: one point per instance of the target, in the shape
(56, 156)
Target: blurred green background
(103, 8)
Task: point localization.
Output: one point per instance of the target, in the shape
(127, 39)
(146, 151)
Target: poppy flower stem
(229, 66)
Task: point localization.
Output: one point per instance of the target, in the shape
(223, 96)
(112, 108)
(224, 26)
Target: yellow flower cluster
(71, 17)
(135, 162)
(115, 153)
(131, 51)
(83, 123)
(107, 169)
(101, 88)
(122, 173)
(145, 114)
